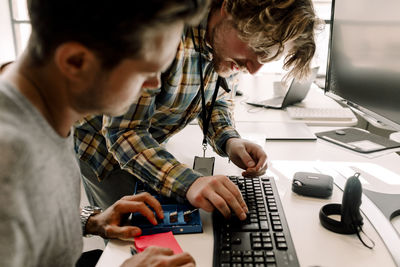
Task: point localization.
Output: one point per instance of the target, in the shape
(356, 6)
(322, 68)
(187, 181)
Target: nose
(253, 66)
(152, 82)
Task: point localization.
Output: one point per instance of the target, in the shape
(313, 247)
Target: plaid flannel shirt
(133, 141)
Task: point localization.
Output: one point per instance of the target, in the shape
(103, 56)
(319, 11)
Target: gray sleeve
(14, 242)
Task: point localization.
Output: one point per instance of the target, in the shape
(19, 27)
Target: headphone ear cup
(329, 223)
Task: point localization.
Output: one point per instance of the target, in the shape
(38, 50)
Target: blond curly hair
(266, 23)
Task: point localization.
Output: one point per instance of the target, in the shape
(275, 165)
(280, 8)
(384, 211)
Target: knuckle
(163, 262)
(215, 182)
(125, 198)
(236, 194)
(140, 205)
(229, 198)
(198, 198)
(118, 205)
(107, 231)
(145, 194)
(220, 204)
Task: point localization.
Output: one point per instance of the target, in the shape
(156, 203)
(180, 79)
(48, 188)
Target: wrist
(228, 144)
(88, 220)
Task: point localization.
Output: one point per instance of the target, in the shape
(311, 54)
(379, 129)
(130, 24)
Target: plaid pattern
(132, 141)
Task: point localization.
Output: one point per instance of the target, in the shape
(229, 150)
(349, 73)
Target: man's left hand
(108, 224)
(248, 156)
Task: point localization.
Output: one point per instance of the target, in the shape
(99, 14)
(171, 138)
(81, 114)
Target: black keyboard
(263, 239)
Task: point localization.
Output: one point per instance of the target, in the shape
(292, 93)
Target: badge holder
(203, 164)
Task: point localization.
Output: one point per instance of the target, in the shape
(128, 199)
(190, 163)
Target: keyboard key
(225, 256)
(247, 259)
(236, 259)
(270, 259)
(258, 253)
(257, 245)
(259, 259)
(248, 253)
(264, 225)
(282, 246)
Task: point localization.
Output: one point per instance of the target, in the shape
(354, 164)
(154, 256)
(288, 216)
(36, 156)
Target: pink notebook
(166, 240)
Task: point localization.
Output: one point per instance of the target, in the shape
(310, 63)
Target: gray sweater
(39, 188)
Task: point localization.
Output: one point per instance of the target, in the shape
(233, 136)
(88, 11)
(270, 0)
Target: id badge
(204, 165)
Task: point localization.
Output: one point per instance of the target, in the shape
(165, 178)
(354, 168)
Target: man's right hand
(219, 192)
(159, 257)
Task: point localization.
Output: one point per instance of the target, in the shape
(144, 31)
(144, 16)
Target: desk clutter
(179, 218)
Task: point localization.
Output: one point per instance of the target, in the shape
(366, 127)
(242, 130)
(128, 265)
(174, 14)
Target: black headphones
(351, 219)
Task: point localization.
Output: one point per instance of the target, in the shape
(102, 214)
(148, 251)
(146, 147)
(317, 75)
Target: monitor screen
(364, 57)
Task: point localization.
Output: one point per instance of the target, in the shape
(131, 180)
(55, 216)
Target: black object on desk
(358, 140)
(312, 184)
(263, 239)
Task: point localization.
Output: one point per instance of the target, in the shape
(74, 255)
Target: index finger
(149, 200)
(125, 205)
(234, 190)
(261, 162)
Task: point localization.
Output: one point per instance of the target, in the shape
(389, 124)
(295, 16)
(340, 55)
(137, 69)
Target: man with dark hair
(83, 57)
(237, 35)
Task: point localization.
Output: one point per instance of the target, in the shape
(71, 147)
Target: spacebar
(250, 226)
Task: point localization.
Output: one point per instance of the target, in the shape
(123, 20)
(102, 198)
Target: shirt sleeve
(90, 145)
(222, 126)
(131, 143)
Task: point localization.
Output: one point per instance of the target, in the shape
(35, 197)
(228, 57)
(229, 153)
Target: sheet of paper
(166, 240)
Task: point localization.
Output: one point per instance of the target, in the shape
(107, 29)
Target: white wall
(7, 52)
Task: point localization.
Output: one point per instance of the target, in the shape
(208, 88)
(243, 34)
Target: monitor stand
(389, 204)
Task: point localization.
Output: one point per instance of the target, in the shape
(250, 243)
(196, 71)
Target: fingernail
(135, 232)
(243, 216)
(251, 163)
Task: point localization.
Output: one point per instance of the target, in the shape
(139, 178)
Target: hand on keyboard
(210, 192)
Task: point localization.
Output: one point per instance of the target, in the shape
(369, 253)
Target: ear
(75, 62)
(223, 11)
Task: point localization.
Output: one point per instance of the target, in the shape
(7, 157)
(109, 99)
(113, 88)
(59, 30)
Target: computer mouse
(340, 132)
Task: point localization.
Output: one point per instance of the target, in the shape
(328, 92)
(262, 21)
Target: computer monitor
(364, 58)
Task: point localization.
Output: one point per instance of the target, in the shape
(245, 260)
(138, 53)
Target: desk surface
(314, 245)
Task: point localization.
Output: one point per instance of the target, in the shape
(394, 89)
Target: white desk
(314, 245)
(261, 86)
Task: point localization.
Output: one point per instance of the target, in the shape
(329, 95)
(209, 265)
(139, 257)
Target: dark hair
(112, 29)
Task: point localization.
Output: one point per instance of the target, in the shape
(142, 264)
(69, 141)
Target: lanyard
(206, 115)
